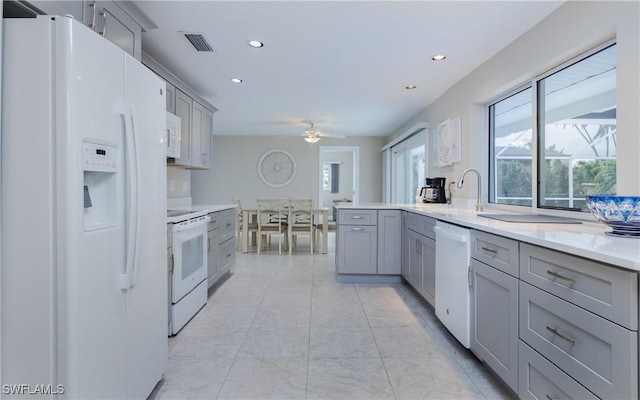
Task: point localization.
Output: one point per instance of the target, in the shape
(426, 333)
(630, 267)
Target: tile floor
(280, 327)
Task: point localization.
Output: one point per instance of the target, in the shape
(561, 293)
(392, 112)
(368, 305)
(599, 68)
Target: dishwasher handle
(449, 235)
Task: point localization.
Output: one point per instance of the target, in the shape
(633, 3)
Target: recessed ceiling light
(256, 43)
(438, 57)
(236, 80)
(410, 87)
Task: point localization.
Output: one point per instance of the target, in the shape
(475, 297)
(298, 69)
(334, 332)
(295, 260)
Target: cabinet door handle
(103, 14)
(228, 225)
(357, 229)
(208, 244)
(557, 275)
(549, 397)
(560, 335)
(92, 4)
(489, 250)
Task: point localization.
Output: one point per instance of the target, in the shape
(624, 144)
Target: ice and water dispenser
(100, 166)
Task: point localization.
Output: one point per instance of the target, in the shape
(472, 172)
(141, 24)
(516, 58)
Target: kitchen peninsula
(551, 308)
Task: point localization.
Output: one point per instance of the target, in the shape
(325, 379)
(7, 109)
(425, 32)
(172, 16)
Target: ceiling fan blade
(331, 135)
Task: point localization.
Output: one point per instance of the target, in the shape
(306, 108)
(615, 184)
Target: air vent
(198, 41)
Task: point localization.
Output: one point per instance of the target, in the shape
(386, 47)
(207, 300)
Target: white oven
(173, 135)
(189, 275)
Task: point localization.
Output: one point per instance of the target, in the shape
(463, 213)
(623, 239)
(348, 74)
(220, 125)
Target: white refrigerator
(83, 275)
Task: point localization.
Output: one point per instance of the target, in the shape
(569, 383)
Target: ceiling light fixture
(236, 80)
(255, 43)
(410, 87)
(312, 135)
(312, 139)
(438, 57)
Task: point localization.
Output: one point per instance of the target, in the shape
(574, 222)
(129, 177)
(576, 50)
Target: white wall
(572, 29)
(235, 169)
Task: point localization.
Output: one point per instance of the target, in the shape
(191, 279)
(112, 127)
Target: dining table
(250, 214)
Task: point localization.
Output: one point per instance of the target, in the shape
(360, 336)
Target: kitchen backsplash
(178, 182)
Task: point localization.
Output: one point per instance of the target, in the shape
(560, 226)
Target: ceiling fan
(312, 135)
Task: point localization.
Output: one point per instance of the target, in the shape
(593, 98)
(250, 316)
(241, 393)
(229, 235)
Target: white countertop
(585, 240)
(209, 208)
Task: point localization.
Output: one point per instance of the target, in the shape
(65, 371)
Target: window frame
(535, 164)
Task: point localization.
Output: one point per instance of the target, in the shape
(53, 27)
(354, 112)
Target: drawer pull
(228, 255)
(489, 250)
(356, 217)
(357, 229)
(228, 225)
(557, 275)
(560, 335)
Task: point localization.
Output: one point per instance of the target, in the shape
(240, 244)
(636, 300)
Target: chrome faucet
(461, 182)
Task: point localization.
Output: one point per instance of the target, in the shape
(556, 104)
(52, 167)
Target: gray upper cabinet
(171, 98)
(184, 105)
(117, 27)
(106, 18)
(80, 10)
(201, 129)
(206, 139)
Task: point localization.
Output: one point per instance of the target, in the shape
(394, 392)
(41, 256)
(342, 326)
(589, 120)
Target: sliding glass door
(408, 161)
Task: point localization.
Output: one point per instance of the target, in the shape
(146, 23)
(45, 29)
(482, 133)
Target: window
(330, 177)
(577, 132)
(576, 137)
(511, 149)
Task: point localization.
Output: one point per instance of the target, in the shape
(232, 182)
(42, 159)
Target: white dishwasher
(452, 285)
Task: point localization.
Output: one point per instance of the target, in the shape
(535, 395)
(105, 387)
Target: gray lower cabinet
(541, 380)
(599, 354)
(494, 320)
(582, 316)
(428, 253)
(212, 249)
(420, 251)
(357, 241)
(221, 244)
(414, 262)
(389, 242)
(404, 269)
(358, 248)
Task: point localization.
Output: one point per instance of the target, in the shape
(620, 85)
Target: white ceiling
(343, 65)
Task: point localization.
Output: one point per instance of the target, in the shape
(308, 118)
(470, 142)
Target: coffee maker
(433, 191)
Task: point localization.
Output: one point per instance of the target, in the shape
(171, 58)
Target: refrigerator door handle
(138, 212)
(131, 203)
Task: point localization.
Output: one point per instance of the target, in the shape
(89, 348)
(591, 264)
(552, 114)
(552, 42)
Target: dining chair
(271, 222)
(331, 227)
(301, 221)
(252, 227)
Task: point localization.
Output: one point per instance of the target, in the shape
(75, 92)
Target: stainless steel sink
(531, 218)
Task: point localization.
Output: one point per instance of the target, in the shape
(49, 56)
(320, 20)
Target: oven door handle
(186, 227)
